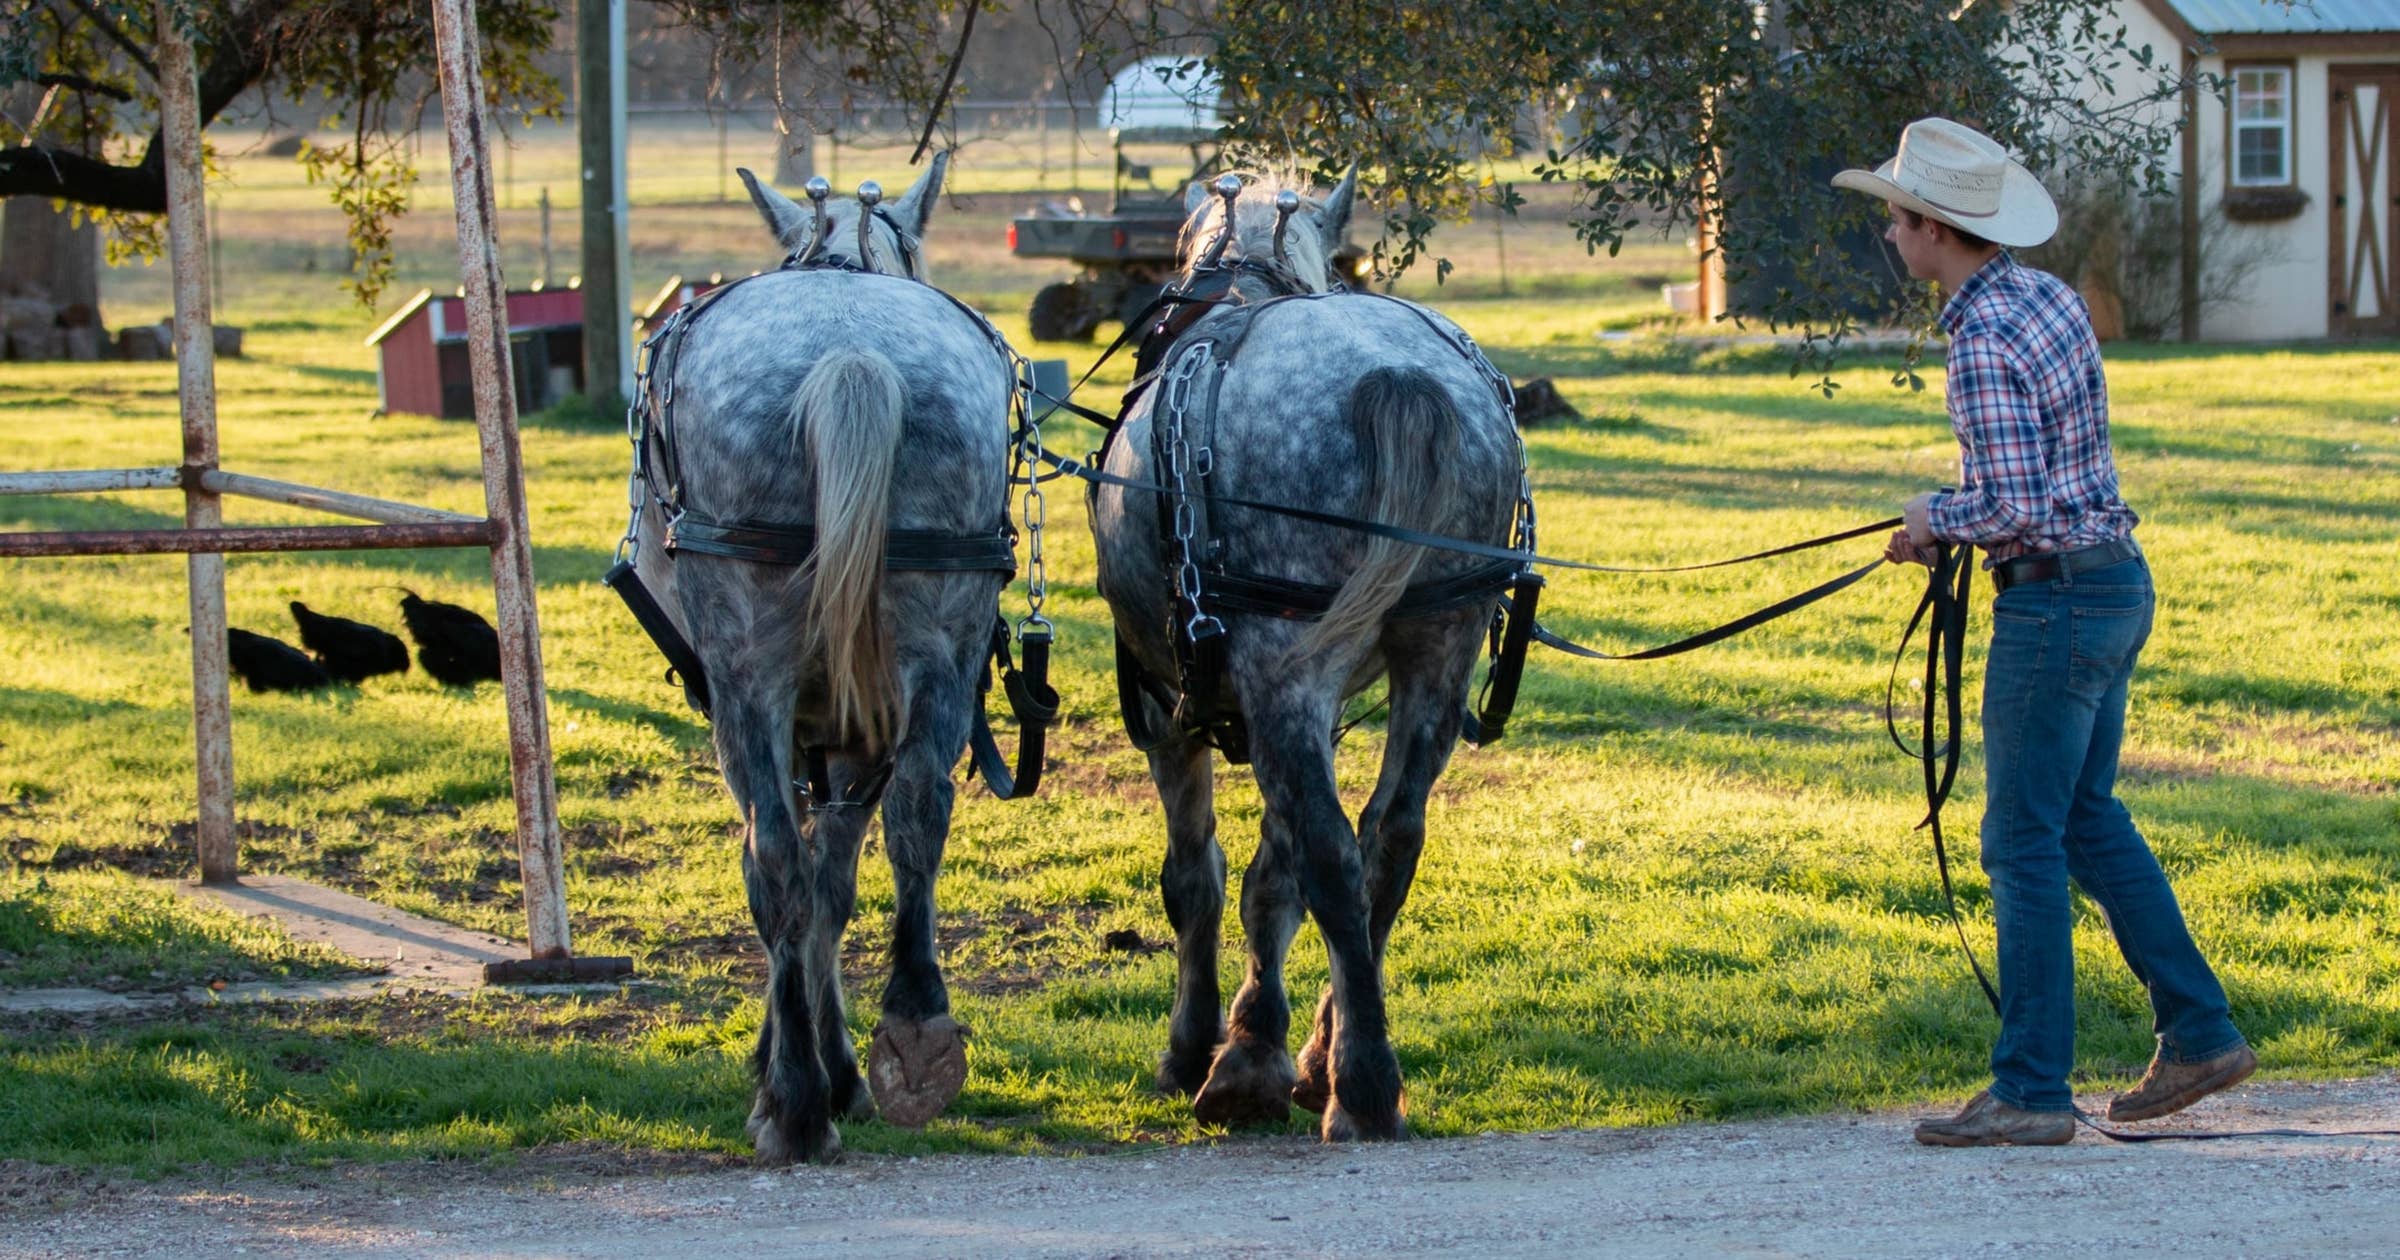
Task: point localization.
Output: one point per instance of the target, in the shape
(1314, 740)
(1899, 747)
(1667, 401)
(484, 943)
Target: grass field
(1679, 890)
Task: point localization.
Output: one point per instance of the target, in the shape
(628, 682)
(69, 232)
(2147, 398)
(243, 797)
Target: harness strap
(1781, 607)
(1031, 698)
(1135, 685)
(683, 664)
(1512, 634)
(1307, 601)
(1942, 610)
(1085, 472)
(917, 550)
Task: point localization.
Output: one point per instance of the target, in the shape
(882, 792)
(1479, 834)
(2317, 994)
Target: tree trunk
(43, 251)
(795, 155)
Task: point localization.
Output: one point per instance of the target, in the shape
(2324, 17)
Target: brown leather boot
(2170, 1087)
(1987, 1121)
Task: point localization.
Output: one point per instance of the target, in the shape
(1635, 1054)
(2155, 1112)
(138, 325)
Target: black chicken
(454, 644)
(272, 664)
(351, 651)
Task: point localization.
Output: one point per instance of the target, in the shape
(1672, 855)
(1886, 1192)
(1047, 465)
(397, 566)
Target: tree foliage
(1651, 112)
(362, 69)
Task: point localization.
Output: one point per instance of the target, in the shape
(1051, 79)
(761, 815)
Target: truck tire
(1137, 299)
(1063, 312)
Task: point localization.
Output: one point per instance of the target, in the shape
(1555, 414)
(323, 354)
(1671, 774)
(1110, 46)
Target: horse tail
(848, 411)
(1408, 433)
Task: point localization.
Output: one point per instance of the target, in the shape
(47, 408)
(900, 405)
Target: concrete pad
(422, 953)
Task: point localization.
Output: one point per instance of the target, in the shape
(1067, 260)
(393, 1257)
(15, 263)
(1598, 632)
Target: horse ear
(916, 205)
(1335, 220)
(784, 216)
(1195, 197)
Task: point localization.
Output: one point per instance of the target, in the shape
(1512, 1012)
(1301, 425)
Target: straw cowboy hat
(1953, 173)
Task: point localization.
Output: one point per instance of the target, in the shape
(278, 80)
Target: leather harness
(658, 481)
(1185, 355)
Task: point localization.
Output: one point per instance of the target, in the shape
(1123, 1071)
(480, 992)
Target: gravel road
(1849, 1185)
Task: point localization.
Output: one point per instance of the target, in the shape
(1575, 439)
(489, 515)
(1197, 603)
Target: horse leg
(1193, 885)
(1250, 1080)
(790, 1118)
(1431, 666)
(918, 1062)
(1293, 757)
(839, 832)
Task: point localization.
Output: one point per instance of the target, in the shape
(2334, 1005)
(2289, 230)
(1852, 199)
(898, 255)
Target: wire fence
(678, 153)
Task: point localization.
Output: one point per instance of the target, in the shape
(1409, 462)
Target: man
(2038, 493)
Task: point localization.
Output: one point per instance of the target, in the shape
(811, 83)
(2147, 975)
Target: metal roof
(2300, 17)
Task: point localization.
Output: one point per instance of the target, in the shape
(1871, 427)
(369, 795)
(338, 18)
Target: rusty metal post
(530, 770)
(196, 386)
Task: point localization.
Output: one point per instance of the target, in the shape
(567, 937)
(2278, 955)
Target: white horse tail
(1407, 430)
(848, 410)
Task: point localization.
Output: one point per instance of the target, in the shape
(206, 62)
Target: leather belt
(2042, 566)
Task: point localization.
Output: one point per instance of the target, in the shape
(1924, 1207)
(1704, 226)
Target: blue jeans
(2053, 722)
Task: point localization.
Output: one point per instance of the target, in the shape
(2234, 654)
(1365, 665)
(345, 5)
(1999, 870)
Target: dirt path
(1839, 1185)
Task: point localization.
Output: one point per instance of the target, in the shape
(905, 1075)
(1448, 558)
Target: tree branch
(241, 57)
(933, 114)
(81, 84)
(35, 171)
(100, 21)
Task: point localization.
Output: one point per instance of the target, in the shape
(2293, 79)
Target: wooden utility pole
(600, 125)
(531, 775)
(196, 385)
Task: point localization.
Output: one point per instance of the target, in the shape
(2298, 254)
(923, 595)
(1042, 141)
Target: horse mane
(1254, 231)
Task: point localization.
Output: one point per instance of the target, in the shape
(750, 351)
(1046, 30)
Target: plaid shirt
(2030, 409)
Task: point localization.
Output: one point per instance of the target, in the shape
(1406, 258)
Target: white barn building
(2299, 160)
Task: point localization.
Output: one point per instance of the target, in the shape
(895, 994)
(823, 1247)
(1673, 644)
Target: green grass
(1685, 889)
(103, 928)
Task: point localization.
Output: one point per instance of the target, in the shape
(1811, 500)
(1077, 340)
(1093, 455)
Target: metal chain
(1033, 507)
(1174, 405)
(638, 491)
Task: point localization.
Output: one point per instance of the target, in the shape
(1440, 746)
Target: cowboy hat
(1953, 173)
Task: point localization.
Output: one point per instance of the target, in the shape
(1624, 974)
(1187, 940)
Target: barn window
(2262, 126)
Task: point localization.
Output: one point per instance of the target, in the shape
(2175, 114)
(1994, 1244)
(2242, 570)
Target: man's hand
(1902, 550)
(1915, 513)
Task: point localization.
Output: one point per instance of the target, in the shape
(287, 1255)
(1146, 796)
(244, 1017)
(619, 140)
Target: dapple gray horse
(861, 402)
(1345, 403)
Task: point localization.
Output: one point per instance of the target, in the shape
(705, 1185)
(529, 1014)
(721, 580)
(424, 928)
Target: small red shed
(422, 366)
(672, 296)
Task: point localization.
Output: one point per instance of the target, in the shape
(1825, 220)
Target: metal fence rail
(206, 539)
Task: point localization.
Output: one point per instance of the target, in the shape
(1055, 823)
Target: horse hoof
(917, 1067)
(1341, 1126)
(1315, 1087)
(1181, 1075)
(775, 1149)
(1249, 1084)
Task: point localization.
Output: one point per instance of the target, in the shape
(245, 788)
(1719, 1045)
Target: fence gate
(206, 539)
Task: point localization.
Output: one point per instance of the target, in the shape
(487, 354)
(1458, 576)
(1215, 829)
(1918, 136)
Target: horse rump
(1407, 430)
